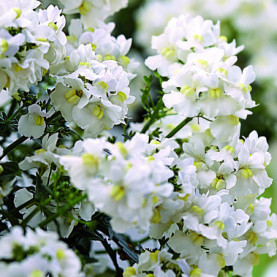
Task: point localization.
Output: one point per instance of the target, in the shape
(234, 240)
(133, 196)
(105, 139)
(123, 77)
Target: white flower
(48, 255)
(93, 12)
(33, 124)
(90, 93)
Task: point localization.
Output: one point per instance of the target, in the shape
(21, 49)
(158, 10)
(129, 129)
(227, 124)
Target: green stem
(34, 212)
(62, 210)
(205, 118)
(12, 146)
(142, 240)
(104, 251)
(179, 127)
(15, 114)
(153, 117)
(30, 216)
(12, 107)
(30, 202)
(113, 257)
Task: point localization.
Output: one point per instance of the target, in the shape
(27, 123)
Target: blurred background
(252, 23)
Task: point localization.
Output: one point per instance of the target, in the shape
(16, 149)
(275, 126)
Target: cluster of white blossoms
(160, 263)
(92, 12)
(252, 21)
(93, 79)
(202, 77)
(30, 42)
(125, 180)
(91, 92)
(42, 160)
(36, 254)
(189, 183)
(245, 16)
(90, 66)
(213, 218)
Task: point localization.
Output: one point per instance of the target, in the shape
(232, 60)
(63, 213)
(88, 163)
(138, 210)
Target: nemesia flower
(33, 124)
(41, 253)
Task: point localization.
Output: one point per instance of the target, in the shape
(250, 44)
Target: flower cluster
(29, 42)
(92, 12)
(93, 80)
(36, 254)
(203, 79)
(92, 73)
(43, 160)
(161, 263)
(215, 220)
(183, 177)
(125, 180)
(244, 18)
(91, 93)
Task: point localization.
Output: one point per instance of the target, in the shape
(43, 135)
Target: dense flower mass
(30, 41)
(126, 181)
(184, 177)
(37, 253)
(93, 12)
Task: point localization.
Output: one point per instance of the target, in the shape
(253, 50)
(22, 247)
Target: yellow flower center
(4, 46)
(117, 193)
(229, 149)
(17, 11)
(53, 26)
(252, 237)
(187, 91)
(90, 160)
(129, 271)
(60, 254)
(37, 273)
(98, 112)
(84, 8)
(156, 216)
(220, 260)
(223, 71)
(122, 148)
(197, 210)
(215, 93)
(72, 96)
(196, 238)
(196, 272)
(103, 85)
(154, 256)
(220, 225)
(198, 38)
(124, 60)
(168, 53)
(121, 96)
(246, 173)
(38, 120)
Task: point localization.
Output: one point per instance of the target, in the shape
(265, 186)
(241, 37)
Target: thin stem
(99, 252)
(205, 118)
(12, 107)
(179, 127)
(30, 216)
(142, 240)
(15, 114)
(12, 146)
(30, 202)
(34, 212)
(153, 117)
(62, 210)
(75, 133)
(112, 254)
